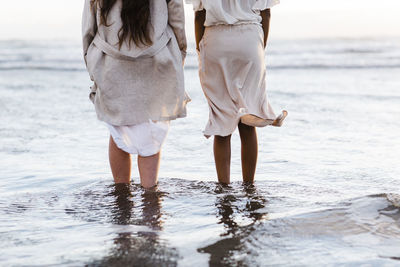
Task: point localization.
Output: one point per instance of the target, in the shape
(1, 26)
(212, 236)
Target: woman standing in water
(134, 53)
(231, 37)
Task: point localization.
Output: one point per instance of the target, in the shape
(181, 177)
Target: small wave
(231, 224)
(362, 51)
(372, 214)
(43, 68)
(331, 67)
(320, 66)
(195, 67)
(394, 199)
(365, 226)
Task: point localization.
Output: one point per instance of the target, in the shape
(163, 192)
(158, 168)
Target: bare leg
(222, 156)
(248, 137)
(148, 170)
(120, 163)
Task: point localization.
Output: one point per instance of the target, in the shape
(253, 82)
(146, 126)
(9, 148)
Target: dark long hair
(135, 16)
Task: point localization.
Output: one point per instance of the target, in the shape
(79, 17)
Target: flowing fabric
(232, 73)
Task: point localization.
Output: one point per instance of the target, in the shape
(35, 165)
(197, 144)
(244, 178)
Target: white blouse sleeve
(176, 19)
(89, 25)
(265, 4)
(197, 4)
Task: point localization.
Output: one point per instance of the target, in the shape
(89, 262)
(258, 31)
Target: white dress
(144, 139)
(232, 12)
(232, 65)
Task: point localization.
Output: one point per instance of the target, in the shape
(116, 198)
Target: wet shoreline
(327, 183)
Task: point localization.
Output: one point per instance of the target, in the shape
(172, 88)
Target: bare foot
(279, 120)
(253, 120)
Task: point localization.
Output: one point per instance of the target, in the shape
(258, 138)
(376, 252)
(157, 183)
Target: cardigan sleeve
(197, 4)
(176, 19)
(265, 4)
(89, 25)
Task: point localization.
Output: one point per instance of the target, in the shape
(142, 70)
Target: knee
(221, 139)
(246, 129)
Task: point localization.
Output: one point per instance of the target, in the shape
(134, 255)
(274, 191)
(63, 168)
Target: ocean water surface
(327, 188)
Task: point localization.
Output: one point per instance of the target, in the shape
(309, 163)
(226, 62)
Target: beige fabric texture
(136, 83)
(233, 76)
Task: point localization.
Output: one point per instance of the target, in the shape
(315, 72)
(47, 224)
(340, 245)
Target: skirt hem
(208, 133)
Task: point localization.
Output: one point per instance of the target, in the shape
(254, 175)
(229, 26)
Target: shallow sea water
(327, 188)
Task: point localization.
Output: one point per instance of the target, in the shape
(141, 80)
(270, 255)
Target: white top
(232, 12)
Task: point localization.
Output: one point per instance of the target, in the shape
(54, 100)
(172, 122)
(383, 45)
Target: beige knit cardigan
(135, 84)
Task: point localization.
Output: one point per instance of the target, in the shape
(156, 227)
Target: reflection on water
(238, 222)
(196, 223)
(139, 248)
(123, 204)
(317, 178)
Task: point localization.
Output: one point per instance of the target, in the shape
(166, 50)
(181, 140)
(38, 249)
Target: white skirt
(233, 77)
(145, 139)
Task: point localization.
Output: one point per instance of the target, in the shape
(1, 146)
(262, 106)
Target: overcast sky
(60, 19)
